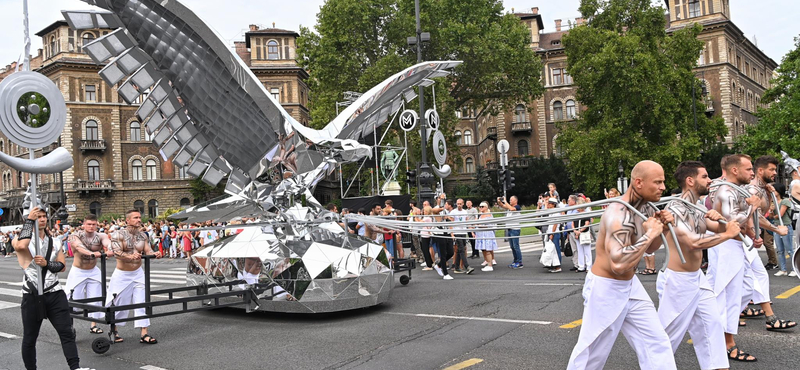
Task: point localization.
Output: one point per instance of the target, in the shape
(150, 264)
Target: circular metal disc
(432, 118)
(19, 87)
(408, 120)
(439, 148)
(502, 146)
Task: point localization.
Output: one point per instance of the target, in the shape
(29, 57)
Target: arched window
(152, 208)
(458, 137)
(19, 179)
(136, 131)
(519, 113)
(182, 173)
(139, 206)
(136, 169)
(91, 130)
(87, 38)
(467, 137)
(2, 146)
(469, 165)
(185, 203)
(93, 170)
(558, 111)
(151, 169)
(272, 50)
(96, 209)
(570, 109)
(522, 148)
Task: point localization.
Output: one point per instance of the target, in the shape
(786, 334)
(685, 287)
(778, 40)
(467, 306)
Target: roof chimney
(535, 10)
(579, 21)
(253, 27)
(558, 25)
(273, 24)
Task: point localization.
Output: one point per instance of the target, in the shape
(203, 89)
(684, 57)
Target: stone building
(116, 167)
(734, 71)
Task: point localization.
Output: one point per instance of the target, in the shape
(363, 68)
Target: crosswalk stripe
(178, 269)
(4, 305)
(174, 273)
(8, 336)
(11, 292)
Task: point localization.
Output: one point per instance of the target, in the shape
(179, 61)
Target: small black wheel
(101, 345)
(404, 279)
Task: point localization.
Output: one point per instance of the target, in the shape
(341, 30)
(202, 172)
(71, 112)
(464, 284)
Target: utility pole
(425, 174)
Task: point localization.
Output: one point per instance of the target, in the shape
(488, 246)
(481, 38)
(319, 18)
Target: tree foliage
(636, 82)
(778, 127)
(359, 43)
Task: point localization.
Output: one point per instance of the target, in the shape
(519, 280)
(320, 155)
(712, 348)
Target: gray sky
(770, 21)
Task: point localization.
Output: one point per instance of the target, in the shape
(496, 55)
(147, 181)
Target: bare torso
(87, 248)
(129, 245)
(620, 240)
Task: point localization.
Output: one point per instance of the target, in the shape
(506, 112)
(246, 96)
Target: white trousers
(725, 275)
(687, 303)
(585, 256)
(82, 284)
(756, 280)
(129, 289)
(611, 306)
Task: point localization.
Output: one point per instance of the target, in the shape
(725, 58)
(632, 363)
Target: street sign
(502, 146)
(408, 120)
(71, 208)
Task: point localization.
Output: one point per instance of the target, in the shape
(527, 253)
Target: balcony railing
(521, 127)
(492, 166)
(491, 133)
(93, 145)
(520, 162)
(84, 186)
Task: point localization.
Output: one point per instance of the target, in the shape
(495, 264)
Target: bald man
(614, 299)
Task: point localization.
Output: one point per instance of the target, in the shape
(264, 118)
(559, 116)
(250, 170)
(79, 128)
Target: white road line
(151, 367)
(472, 318)
(8, 336)
(11, 292)
(178, 273)
(178, 269)
(553, 284)
(4, 305)
(14, 283)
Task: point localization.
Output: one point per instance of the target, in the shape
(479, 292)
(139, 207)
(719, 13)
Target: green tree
(778, 127)
(203, 192)
(359, 43)
(636, 83)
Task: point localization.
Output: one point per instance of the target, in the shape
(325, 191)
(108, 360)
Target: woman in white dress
(484, 239)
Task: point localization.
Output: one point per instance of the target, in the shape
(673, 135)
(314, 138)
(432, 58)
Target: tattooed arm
(77, 245)
(690, 232)
(129, 255)
(624, 252)
(730, 207)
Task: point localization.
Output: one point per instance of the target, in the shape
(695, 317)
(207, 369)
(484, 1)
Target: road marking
(178, 269)
(8, 336)
(169, 273)
(471, 318)
(151, 367)
(4, 305)
(465, 364)
(552, 284)
(11, 292)
(14, 283)
(789, 293)
(572, 325)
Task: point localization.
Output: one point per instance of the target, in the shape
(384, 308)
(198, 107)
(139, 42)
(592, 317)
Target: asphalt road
(505, 319)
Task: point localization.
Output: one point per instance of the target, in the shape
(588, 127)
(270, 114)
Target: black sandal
(742, 323)
(750, 313)
(96, 330)
(147, 339)
(118, 339)
(648, 272)
(740, 356)
(775, 324)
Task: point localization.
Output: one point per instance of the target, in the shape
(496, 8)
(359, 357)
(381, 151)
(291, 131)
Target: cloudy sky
(770, 22)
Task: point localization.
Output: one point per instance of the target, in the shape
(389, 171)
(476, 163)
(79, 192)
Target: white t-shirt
(458, 216)
(209, 236)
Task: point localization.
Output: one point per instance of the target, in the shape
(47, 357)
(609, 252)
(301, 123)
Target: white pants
(82, 284)
(585, 256)
(725, 275)
(756, 280)
(129, 289)
(611, 306)
(173, 249)
(687, 303)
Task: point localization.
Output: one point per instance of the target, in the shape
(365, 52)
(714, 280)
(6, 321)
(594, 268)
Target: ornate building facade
(734, 71)
(116, 167)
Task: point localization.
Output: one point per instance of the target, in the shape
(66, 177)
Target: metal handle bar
(703, 210)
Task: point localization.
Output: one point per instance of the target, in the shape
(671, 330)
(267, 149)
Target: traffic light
(411, 177)
(503, 175)
(509, 180)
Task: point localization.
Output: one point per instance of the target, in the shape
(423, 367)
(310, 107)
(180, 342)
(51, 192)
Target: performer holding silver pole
(614, 299)
(686, 300)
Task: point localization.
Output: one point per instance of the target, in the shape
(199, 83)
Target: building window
(136, 172)
(557, 76)
(185, 203)
(694, 8)
(136, 131)
(467, 137)
(93, 170)
(558, 111)
(519, 113)
(91, 130)
(90, 93)
(139, 206)
(52, 46)
(570, 109)
(151, 169)
(702, 58)
(567, 77)
(522, 148)
(276, 94)
(87, 38)
(182, 173)
(458, 137)
(469, 165)
(19, 179)
(96, 209)
(152, 208)
(272, 50)
(2, 146)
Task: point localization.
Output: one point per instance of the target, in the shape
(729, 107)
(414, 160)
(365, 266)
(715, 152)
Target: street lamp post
(425, 174)
(622, 181)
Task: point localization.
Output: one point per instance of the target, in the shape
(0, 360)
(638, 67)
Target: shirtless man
(726, 261)
(686, 300)
(614, 299)
(85, 279)
(127, 282)
(756, 278)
